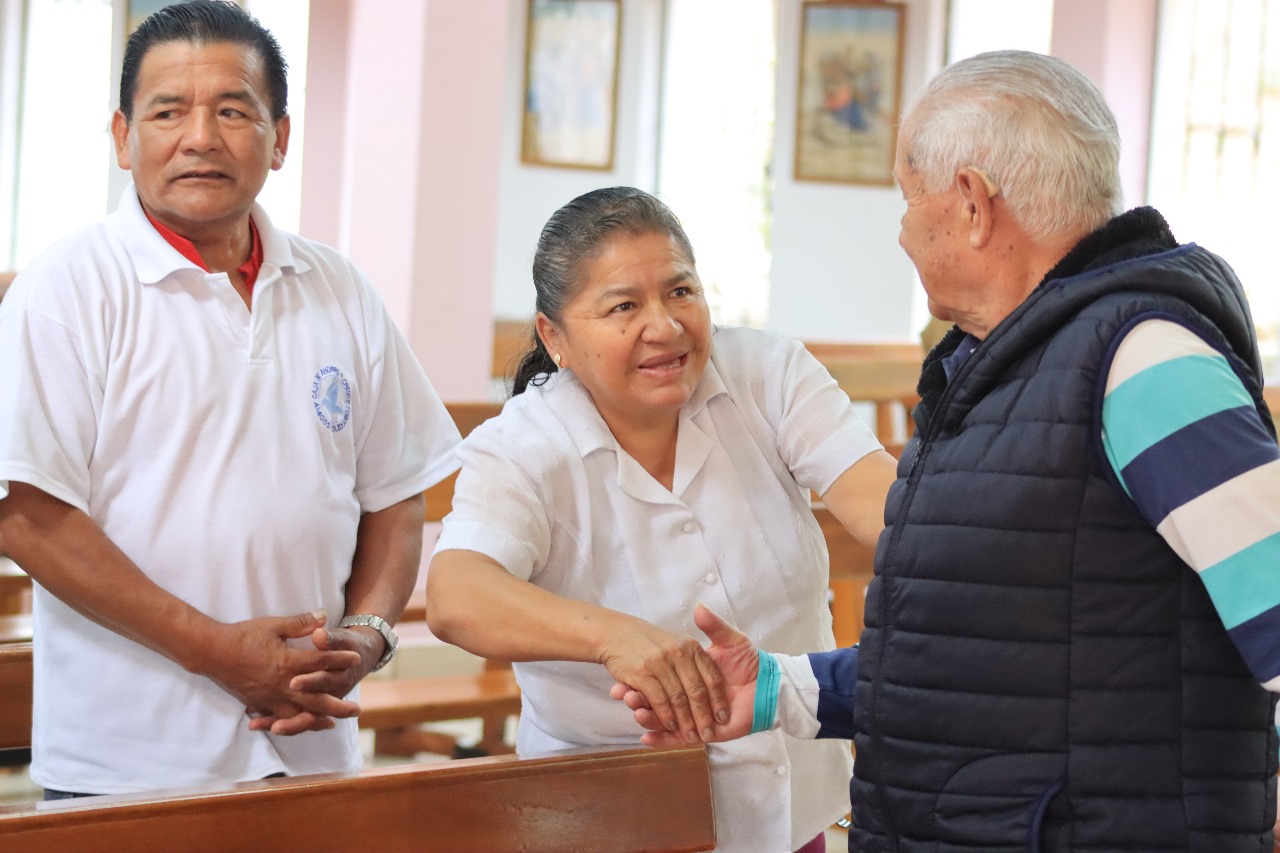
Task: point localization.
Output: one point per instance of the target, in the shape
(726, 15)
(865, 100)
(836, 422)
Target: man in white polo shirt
(213, 447)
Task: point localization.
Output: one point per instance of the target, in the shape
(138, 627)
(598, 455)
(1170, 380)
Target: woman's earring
(556, 359)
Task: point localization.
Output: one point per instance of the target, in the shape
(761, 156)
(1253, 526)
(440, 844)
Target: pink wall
(404, 119)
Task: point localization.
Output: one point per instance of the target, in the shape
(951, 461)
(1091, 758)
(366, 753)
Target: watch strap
(377, 623)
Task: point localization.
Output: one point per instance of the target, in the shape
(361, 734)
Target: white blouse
(548, 493)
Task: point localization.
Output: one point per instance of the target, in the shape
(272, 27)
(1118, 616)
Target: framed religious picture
(137, 11)
(571, 83)
(849, 92)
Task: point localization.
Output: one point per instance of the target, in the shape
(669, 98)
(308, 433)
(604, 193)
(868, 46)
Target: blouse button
(709, 579)
(689, 527)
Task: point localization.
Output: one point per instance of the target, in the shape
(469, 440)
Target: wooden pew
(439, 497)
(882, 374)
(851, 572)
(395, 707)
(15, 696)
(389, 706)
(619, 800)
(511, 339)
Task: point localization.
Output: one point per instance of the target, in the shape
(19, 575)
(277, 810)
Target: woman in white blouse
(646, 463)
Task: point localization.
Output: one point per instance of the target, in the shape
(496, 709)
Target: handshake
(739, 664)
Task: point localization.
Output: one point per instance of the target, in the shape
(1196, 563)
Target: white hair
(1035, 125)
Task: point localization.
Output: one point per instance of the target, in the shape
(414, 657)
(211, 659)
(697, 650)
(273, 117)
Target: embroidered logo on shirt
(331, 397)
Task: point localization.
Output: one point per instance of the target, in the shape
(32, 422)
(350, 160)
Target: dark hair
(205, 22)
(577, 233)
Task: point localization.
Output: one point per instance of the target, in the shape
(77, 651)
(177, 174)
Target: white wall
(835, 245)
(530, 194)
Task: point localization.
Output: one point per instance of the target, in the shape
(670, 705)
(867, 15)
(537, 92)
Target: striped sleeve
(812, 697)
(1182, 434)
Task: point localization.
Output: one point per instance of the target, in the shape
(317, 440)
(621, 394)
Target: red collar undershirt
(187, 249)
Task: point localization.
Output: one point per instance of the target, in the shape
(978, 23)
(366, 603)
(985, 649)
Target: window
(61, 132)
(1215, 141)
(289, 21)
(976, 26)
(716, 145)
(57, 85)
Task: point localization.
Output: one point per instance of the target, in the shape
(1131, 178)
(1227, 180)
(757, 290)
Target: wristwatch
(380, 625)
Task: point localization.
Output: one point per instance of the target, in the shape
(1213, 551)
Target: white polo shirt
(546, 491)
(228, 453)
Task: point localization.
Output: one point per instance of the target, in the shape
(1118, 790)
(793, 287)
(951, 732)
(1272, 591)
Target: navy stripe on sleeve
(1196, 459)
(1256, 640)
(837, 675)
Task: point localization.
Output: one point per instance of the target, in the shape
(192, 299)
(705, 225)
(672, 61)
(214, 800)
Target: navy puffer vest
(1039, 670)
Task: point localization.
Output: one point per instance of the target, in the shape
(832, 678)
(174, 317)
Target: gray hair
(1038, 127)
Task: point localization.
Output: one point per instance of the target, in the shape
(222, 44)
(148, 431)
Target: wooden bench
(852, 567)
(395, 708)
(618, 800)
(15, 704)
(389, 706)
(15, 696)
(884, 375)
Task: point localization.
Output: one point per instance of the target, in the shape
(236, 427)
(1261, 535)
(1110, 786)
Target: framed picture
(571, 83)
(850, 90)
(137, 11)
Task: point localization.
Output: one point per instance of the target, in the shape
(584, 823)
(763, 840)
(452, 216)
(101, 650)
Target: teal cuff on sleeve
(767, 684)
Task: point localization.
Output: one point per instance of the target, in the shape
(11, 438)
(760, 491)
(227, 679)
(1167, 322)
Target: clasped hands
(288, 690)
(722, 711)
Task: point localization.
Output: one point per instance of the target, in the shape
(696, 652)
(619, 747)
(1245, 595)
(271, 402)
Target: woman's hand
(738, 664)
(682, 689)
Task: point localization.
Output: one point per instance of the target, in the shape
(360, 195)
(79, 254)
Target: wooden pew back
(467, 416)
(15, 695)
(882, 374)
(620, 800)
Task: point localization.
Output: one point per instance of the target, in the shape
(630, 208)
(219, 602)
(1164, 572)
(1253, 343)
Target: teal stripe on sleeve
(768, 683)
(1166, 397)
(1234, 584)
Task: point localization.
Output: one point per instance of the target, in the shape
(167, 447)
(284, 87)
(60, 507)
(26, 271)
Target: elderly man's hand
(253, 661)
(739, 664)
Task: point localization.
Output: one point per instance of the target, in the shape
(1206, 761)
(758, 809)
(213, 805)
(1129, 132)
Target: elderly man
(213, 445)
(1074, 614)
